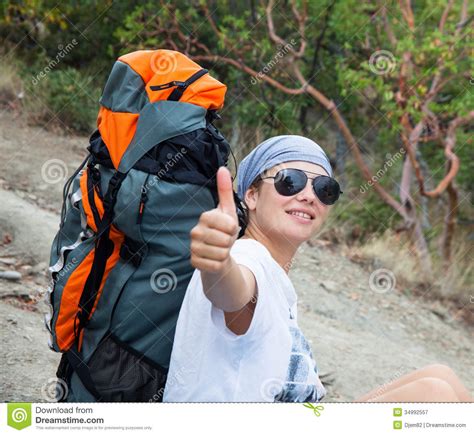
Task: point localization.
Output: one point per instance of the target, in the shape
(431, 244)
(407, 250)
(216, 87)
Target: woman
(237, 337)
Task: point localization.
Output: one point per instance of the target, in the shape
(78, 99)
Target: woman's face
(270, 211)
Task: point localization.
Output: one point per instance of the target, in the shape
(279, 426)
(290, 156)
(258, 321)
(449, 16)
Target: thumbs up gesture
(217, 229)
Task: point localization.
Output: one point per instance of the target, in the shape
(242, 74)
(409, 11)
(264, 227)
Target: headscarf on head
(276, 150)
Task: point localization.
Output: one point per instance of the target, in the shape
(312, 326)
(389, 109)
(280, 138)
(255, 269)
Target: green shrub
(65, 98)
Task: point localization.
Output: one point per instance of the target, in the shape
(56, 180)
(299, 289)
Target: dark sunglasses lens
(327, 189)
(289, 182)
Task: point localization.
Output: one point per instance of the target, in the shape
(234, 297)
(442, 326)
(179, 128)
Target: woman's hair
(243, 211)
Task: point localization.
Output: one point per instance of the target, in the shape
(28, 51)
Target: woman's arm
(230, 289)
(229, 286)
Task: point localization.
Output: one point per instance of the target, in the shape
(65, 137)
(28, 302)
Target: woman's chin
(297, 236)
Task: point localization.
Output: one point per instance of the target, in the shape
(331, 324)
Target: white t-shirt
(271, 362)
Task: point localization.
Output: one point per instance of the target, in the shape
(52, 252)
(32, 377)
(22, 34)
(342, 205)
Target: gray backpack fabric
(120, 260)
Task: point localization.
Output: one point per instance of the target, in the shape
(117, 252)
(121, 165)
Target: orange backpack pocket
(74, 265)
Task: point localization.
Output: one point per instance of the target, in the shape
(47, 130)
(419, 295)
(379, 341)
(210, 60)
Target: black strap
(93, 179)
(103, 250)
(132, 251)
(180, 86)
(178, 92)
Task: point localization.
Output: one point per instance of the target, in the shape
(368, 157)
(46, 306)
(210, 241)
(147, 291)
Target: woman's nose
(307, 193)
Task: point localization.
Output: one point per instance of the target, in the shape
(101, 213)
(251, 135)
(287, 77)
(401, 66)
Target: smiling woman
(237, 336)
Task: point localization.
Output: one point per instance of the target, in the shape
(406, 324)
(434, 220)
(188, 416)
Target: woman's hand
(216, 231)
(228, 285)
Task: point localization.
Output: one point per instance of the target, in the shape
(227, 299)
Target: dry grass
(394, 252)
(391, 251)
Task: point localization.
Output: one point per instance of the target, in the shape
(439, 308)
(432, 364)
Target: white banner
(238, 418)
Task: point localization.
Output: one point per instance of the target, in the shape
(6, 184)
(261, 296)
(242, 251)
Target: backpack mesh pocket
(121, 374)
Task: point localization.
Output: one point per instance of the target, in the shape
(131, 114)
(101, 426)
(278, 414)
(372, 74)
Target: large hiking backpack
(120, 260)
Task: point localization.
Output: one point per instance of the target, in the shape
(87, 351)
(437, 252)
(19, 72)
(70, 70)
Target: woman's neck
(281, 251)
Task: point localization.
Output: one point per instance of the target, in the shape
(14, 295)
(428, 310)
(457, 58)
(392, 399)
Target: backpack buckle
(167, 85)
(131, 251)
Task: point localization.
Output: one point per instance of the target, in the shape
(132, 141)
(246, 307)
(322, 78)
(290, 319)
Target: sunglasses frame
(307, 178)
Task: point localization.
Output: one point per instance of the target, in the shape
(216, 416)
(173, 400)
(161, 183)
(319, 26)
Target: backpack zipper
(143, 200)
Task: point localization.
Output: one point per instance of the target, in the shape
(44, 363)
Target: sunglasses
(291, 181)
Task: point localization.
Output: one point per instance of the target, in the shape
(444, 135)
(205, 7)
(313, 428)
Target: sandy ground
(361, 338)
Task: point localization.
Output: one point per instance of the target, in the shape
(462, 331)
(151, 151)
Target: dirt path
(361, 337)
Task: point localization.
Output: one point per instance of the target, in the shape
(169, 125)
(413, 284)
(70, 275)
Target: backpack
(120, 262)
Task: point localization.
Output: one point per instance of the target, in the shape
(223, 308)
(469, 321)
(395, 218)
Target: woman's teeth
(300, 214)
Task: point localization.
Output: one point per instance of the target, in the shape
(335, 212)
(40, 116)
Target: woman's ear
(251, 197)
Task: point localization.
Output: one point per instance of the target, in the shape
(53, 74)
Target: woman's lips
(300, 219)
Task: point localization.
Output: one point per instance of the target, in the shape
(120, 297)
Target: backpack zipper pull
(141, 208)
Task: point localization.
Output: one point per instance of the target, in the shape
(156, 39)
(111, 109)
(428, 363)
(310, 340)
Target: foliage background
(340, 37)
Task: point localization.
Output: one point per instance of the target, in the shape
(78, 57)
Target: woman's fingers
(215, 237)
(202, 250)
(217, 229)
(225, 192)
(206, 264)
(220, 221)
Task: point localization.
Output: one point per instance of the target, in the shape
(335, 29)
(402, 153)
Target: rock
(10, 275)
(26, 269)
(40, 268)
(327, 378)
(7, 239)
(8, 260)
(329, 285)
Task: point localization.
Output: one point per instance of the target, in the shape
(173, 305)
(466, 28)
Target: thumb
(225, 192)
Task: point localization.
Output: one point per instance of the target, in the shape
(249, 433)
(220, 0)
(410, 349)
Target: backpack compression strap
(103, 249)
(180, 86)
